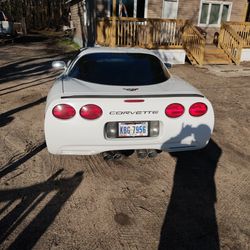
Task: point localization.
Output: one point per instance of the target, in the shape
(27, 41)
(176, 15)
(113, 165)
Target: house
(160, 23)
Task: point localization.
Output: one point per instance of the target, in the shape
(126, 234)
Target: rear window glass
(126, 69)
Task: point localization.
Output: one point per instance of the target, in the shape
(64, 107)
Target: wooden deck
(174, 34)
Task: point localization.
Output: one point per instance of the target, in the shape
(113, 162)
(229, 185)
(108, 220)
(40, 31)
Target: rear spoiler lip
(131, 96)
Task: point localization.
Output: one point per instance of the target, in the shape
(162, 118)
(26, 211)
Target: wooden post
(113, 28)
(100, 28)
(221, 36)
(150, 35)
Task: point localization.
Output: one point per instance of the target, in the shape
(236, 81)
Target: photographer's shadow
(190, 220)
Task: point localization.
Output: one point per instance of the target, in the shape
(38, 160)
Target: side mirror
(59, 65)
(168, 65)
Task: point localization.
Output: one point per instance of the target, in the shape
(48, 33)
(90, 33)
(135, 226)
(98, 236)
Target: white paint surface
(172, 56)
(245, 55)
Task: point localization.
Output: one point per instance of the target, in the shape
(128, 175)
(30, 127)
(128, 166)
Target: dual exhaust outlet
(141, 153)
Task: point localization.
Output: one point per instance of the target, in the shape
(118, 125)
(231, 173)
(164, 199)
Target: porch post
(113, 28)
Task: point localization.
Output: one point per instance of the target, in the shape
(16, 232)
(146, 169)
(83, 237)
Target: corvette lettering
(133, 112)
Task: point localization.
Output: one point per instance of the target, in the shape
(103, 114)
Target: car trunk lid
(174, 86)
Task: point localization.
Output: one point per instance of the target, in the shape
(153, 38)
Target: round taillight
(198, 109)
(174, 110)
(90, 111)
(63, 111)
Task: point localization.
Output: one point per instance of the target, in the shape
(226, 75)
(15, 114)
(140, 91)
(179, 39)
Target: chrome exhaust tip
(142, 153)
(152, 153)
(117, 155)
(111, 155)
(108, 156)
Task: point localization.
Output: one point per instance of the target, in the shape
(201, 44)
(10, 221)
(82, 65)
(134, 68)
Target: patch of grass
(67, 44)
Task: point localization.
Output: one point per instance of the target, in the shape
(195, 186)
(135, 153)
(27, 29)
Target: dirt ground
(195, 200)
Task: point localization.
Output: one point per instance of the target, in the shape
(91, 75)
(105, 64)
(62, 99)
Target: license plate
(139, 129)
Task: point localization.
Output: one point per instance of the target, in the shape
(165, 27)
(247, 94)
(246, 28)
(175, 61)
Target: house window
(129, 8)
(213, 13)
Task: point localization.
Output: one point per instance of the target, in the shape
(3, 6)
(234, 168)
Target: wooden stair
(191, 58)
(214, 55)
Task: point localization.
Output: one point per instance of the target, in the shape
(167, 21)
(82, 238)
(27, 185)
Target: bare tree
(38, 14)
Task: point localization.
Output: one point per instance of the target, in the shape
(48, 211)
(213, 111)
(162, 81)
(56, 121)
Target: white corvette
(111, 100)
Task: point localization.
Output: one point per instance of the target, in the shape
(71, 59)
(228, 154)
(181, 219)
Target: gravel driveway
(195, 200)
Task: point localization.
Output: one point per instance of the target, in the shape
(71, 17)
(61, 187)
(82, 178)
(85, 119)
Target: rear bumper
(92, 150)
(78, 136)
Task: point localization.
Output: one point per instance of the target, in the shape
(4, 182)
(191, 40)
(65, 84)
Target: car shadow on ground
(190, 221)
(19, 204)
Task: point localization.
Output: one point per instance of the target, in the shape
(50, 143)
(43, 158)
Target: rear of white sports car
(116, 99)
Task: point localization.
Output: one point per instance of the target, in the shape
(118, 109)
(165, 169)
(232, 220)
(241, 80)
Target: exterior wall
(189, 10)
(77, 17)
(239, 10)
(155, 8)
(83, 16)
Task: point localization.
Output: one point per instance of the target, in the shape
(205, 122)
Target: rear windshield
(126, 69)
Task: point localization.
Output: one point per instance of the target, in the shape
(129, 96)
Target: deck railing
(171, 33)
(243, 30)
(231, 42)
(140, 32)
(194, 43)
